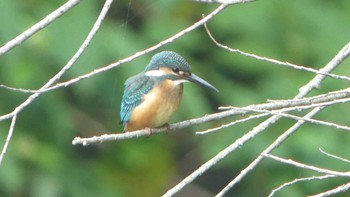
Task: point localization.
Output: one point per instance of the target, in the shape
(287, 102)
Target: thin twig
(119, 136)
(300, 180)
(231, 124)
(18, 89)
(8, 138)
(308, 167)
(334, 156)
(38, 26)
(224, 1)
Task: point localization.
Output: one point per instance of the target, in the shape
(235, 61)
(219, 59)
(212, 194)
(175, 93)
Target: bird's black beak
(194, 78)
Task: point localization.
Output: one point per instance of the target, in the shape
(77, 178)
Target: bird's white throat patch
(155, 73)
(180, 81)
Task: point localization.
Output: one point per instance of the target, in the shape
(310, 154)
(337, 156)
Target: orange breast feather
(157, 107)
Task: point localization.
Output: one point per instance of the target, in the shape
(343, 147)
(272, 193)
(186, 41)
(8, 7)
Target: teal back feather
(135, 88)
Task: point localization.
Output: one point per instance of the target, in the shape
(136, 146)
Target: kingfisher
(151, 97)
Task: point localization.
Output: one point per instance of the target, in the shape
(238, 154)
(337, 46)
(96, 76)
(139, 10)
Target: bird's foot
(167, 126)
(149, 130)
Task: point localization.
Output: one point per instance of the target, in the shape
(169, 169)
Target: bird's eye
(176, 70)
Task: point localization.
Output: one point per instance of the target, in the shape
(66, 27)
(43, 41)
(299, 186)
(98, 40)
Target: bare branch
(8, 138)
(336, 190)
(38, 26)
(316, 82)
(231, 124)
(17, 89)
(120, 136)
(224, 1)
(308, 167)
(334, 156)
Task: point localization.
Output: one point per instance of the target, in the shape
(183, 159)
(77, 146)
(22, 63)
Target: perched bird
(151, 97)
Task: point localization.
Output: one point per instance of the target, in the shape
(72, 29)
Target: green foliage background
(41, 160)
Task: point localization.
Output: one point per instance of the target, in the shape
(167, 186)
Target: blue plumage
(135, 88)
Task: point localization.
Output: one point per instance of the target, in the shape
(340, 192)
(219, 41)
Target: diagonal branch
(308, 167)
(8, 138)
(38, 26)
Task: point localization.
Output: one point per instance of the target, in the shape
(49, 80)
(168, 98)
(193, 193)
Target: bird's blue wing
(135, 88)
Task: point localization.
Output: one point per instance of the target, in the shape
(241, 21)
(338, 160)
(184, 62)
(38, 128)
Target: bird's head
(172, 66)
